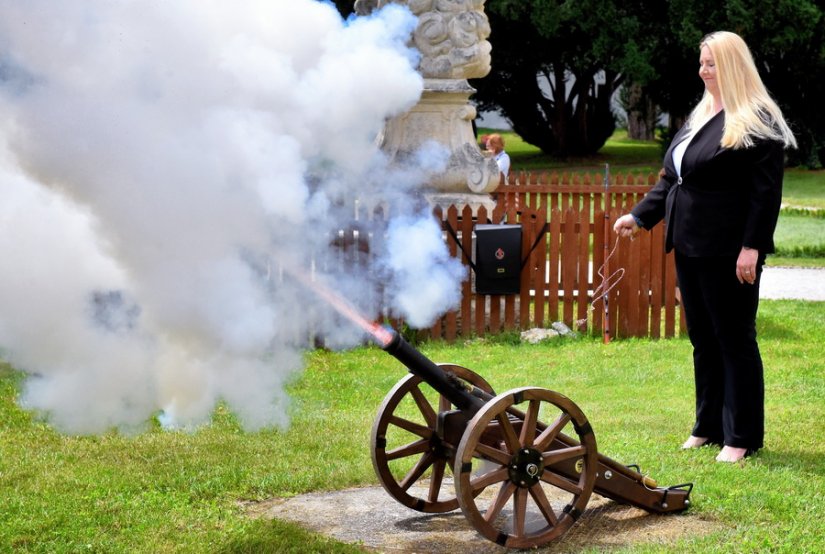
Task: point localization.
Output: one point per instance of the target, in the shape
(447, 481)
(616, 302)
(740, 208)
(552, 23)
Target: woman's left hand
(746, 265)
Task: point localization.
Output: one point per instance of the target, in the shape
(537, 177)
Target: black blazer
(725, 199)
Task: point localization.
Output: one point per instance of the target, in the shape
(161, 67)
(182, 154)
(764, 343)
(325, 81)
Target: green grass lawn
(804, 188)
(622, 153)
(800, 235)
(165, 491)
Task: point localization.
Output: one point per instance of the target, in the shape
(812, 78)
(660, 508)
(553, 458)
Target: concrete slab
(372, 518)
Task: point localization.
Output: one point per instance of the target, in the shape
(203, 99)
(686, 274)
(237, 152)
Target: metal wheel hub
(525, 467)
(440, 449)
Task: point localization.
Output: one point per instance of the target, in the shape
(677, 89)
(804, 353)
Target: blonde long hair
(750, 112)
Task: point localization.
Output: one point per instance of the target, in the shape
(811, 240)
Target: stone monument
(451, 37)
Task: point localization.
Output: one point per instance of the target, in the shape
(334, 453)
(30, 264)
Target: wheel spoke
(543, 503)
(485, 480)
(519, 511)
(552, 431)
(436, 479)
(510, 437)
(493, 454)
(504, 494)
(411, 426)
(451, 465)
(560, 482)
(528, 428)
(424, 406)
(411, 449)
(417, 471)
(556, 456)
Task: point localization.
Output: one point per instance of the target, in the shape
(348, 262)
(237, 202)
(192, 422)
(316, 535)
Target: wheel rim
(544, 476)
(405, 449)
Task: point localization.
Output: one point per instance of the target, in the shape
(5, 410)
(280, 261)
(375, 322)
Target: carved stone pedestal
(451, 37)
(444, 115)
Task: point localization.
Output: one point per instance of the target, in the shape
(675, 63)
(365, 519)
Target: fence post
(606, 270)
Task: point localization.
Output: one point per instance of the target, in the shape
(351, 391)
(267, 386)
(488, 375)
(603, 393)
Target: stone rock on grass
(537, 335)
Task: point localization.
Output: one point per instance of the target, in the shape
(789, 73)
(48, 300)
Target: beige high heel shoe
(732, 454)
(695, 442)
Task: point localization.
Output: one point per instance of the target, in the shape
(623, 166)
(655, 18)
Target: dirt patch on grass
(372, 518)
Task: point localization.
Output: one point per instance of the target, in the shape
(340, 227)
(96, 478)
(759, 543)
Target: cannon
(442, 437)
(444, 429)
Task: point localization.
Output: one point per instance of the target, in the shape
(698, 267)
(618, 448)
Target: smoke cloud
(161, 163)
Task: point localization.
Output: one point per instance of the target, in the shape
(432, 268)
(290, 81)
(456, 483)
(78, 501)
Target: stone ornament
(451, 36)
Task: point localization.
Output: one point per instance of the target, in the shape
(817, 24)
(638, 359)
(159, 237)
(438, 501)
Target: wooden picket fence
(561, 280)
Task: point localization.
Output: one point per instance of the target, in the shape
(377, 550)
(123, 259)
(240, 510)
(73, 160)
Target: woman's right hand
(626, 226)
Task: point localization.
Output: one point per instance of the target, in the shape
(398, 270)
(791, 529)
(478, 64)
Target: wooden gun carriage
(442, 436)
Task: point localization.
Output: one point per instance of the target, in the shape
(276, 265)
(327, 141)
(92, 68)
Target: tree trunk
(641, 113)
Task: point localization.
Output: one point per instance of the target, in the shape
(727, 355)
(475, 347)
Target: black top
(726, 198)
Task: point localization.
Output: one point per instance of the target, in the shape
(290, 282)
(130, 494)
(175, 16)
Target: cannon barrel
(442, 382)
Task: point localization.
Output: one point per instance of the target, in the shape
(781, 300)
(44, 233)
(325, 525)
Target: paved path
(793, 283)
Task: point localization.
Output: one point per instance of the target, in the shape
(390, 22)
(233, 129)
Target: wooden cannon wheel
(533, 463)
(404, 442)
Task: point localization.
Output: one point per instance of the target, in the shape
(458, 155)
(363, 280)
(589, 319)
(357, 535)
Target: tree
(787, 39)
(556, 64)
(580, 53)
(651, 47)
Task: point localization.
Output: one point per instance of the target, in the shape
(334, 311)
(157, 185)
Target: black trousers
(721, 322)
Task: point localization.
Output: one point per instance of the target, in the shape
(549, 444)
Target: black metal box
(498, 259)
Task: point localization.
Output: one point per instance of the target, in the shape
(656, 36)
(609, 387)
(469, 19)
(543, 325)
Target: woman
(719, 195)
